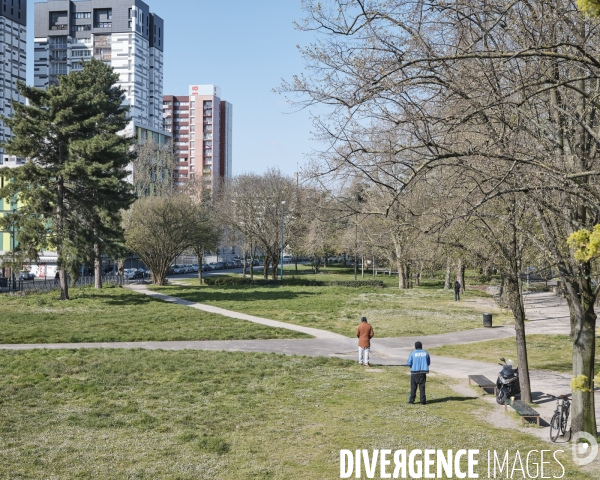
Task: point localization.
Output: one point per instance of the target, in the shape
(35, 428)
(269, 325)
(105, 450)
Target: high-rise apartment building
(13, 23)
(121, 33)
(201, 124)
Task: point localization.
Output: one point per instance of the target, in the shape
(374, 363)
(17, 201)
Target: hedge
(295, 282)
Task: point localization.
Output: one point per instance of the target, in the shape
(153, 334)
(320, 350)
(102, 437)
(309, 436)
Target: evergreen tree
(75, 184)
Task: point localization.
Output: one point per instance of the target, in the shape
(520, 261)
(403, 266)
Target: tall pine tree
(75, 182)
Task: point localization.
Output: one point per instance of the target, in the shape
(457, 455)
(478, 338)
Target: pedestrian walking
(364, 332)
(457, 288)
(418, 361)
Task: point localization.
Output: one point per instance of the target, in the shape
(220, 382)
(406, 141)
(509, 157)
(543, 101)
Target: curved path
(547, 314)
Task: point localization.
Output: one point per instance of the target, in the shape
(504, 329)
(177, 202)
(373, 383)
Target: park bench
(482, 382)
(523, 409)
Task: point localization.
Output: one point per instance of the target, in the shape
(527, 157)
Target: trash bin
(487, 319)
(3, 282)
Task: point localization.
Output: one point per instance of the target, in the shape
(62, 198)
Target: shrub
(226, 281)
(358, 283)
(290, 281)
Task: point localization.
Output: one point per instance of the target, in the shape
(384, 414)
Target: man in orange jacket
(364, 332)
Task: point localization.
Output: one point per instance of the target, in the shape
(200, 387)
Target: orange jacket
(364, 332)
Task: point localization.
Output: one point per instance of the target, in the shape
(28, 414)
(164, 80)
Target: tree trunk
(245, 265)
(97, 266)
(266, 267)
(252, 255)
(583, 418)
(200, 254)
(515, 301)
(460, 274)
(447, 285)
(64, 284)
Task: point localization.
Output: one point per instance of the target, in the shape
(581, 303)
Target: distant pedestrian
(418, 361)
(364, 332)
(457, 288)
(57, 278)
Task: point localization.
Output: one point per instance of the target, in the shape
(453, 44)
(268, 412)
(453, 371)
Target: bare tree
(159, 229)
(505, 91)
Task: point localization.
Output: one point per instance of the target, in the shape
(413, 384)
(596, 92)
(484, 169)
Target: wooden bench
(523, 409)
(482, 382)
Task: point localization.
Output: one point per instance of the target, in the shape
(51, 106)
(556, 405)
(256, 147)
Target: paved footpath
(547, 314)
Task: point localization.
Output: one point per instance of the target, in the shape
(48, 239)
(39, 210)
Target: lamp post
(282, 236)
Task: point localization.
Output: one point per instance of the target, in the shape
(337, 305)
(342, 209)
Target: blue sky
(245, 48)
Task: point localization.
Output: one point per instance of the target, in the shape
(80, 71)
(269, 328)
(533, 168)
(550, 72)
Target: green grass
(117, 315)
(117, 414)
(544, 352)
(424, 310)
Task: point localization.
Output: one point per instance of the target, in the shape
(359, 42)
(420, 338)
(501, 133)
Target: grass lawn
(115, 414)
(117, 315)
(544, 352)
(424, 310)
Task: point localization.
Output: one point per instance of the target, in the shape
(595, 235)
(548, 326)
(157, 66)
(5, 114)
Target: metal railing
(47, 285)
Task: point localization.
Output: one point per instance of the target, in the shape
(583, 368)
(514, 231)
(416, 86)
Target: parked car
(171, 270)
(26, 275)
(195, 267)
(287, 259)
(129, 273)
(213, 266)
(177, 269)
(230, 265)
(238, 263)
(205, 267)
(138, 273)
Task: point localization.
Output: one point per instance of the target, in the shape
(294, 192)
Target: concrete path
(547, 314)
(321, 334)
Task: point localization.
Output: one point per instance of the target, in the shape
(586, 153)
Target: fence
(47, 285)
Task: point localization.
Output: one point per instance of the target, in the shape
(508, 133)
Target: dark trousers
(456, 296)
(417, 379)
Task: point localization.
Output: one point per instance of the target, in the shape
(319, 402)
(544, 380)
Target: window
(80, 28)
(78, 15)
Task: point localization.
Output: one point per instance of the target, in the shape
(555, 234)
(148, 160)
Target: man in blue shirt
(418, 361)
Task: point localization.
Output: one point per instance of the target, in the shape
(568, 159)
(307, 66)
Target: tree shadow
(450, 399)
(234, 293)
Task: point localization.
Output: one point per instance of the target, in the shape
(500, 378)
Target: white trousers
(363, 354)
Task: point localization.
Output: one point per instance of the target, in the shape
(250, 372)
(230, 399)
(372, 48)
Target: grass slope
(117, 315)
(116, 414)
(423, 310)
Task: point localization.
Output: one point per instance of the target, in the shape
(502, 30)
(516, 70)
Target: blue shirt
(418, 361)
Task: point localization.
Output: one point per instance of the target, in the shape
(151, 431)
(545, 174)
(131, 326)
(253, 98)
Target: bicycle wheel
(555, 426)
(565, 432)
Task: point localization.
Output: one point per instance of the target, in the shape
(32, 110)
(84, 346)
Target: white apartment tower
(122, 33)
(13, 22)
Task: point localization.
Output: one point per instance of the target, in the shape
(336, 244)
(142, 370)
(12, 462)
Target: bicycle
(560, 418)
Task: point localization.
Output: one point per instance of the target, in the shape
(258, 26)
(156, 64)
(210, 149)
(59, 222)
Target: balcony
(208, 137)
(63, 26)
(105, 57)
(208, 113)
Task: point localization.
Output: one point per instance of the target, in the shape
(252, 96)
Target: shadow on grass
(450, 399)
(238, 293)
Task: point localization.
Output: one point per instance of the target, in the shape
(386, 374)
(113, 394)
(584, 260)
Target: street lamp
(282, 236)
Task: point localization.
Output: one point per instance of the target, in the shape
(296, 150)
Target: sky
(245, 48)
